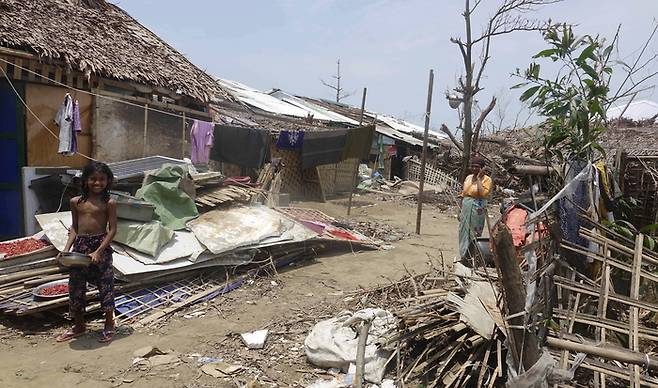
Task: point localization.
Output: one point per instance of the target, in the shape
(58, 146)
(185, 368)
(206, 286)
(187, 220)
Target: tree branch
(478, 124)
(329, 85)
(637, 60)
(444, 129)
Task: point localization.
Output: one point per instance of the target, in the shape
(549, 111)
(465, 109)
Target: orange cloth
(515, 221)
(471, 188)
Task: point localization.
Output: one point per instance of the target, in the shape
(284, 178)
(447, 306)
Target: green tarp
(173, 207)
(147, 238)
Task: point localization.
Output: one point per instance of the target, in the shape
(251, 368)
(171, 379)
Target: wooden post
(360, 354)
(356, 166)
(524, 342)
(634, 313)
(603, 306)
(424, 157)
(146, 126)
(183, 138)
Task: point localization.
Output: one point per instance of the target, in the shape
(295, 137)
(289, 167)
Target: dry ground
(288, 305)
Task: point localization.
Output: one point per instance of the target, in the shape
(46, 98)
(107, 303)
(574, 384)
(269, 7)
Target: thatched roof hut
(96, 37)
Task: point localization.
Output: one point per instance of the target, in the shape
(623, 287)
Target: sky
(387, 46)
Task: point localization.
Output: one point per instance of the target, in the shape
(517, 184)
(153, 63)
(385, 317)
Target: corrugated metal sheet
(261, 100)
(637, 111)
(319, 113)
(136, 167)
(401, 136)
(407, 127)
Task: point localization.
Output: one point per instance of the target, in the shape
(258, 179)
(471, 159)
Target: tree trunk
(467, 129)
(468, 137)
(524, 341)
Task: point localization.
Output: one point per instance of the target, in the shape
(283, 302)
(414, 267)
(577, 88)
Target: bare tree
(508, 18)
(337, 88)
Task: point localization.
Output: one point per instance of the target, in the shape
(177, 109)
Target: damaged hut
(125, 92)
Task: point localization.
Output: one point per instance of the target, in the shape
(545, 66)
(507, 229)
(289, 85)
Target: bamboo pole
(183, 138)
(609, 353)
(423, 160)
(356, 165)
(603, 307)
(146, 126)
(634, 313)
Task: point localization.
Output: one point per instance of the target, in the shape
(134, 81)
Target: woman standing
(477, 188)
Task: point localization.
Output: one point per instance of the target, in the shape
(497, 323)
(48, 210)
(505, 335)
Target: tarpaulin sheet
(173, 207)
(182, 244)
(144, 237)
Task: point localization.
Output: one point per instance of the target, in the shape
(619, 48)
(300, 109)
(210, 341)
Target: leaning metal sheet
(136, 167)
(226, 230)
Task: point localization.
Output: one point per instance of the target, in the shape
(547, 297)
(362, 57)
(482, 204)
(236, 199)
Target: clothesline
(180, 116)
(34, 114)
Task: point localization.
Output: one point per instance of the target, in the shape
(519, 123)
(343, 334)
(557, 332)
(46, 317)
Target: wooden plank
(58, 74)
(18, 72)
(177, 306)
(33, 68)
(634, 313)
(3, 65)
(27, 274)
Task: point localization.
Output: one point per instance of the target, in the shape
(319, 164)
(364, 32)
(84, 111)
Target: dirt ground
(288, 305)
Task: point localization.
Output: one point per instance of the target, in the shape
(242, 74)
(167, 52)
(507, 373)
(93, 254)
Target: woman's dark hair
(91, 168)
(479, 161)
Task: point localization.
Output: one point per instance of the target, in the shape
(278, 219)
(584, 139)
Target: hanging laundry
(358, 142)
(245, 147)
(64, 119)
(290, 140)
(76, 127)
(202, 135)
(323, 147)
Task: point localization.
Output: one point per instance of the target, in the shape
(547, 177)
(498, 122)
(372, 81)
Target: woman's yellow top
(471, 188)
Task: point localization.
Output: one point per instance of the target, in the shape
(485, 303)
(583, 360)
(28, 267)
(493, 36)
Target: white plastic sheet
(333, 342)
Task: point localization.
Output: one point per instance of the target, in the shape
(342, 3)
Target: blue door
(12, 158)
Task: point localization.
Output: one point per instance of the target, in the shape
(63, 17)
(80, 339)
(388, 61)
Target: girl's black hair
(91, 168)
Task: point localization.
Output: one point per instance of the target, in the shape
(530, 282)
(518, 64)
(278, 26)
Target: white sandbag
(333, 342)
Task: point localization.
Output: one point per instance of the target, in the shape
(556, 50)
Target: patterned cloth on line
(102, 275)
(471, 223)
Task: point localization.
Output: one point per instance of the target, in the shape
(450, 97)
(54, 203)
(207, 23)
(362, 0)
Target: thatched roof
(97, 37)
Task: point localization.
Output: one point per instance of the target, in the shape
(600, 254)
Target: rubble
(215, 253)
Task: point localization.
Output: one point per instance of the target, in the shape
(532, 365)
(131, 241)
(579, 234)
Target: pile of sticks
(433, 345)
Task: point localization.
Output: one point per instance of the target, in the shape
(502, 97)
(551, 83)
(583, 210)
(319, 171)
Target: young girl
(94, 225)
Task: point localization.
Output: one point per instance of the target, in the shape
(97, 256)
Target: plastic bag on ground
(333, 343)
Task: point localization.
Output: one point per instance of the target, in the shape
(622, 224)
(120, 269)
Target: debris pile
(378, 231)
(449, 327)
(183, 238)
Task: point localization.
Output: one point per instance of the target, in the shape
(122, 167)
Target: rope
(34, 114)
(90, 93)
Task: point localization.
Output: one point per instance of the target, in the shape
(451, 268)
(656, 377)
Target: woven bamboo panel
(328, 178)
(344, 175)
(292, 181)
(433, 175)
(312, 185)
(640, 182)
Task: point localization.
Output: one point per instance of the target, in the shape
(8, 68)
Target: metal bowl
(74, 259)
(36, 291)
